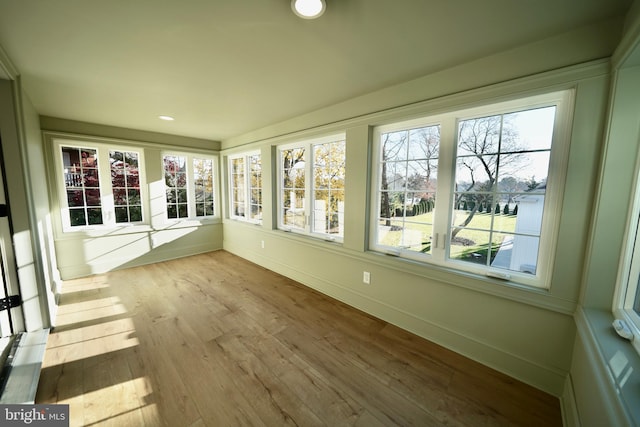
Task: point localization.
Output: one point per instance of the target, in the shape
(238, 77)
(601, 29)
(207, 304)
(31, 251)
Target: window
(175, 181)
(245, 178)
(102, 185)
(627, 298)
(474, 190)
(189, 186)
(82, 183)
(311, 188)
(125, 183)
(203, 182)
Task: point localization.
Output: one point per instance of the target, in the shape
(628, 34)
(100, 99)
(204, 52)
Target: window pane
(395, 146)
(422, 175)
(476, 173)
(75, 198)
(134, 197)
(470, 245)
(135, 213)
(77, 217)
(408, 173)
(203, 186)
(293, 187)
(92, 196)
(246, 187)
(502, 167)
(94, 216)
(182, 195)
(255, 183)
(533, 129)
(125, 183)
(479, 136)
(328, 197)
(121, 214)
(175, 178)
(238, 186)
(82, 180)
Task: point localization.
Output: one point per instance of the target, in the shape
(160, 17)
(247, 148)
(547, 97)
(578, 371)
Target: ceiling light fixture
(308, 9)
(166, 118)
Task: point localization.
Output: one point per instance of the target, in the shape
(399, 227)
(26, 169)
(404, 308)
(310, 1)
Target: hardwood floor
(215, 340)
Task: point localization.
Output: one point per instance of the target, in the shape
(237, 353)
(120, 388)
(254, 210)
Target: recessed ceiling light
(167, 118)
(308, 9)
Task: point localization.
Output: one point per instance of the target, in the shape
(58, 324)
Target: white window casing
(245, 187)
(311, 187)
(413, 214)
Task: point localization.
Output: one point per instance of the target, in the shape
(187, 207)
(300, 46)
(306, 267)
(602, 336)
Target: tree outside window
(125, 184)
(245, 177)
(82, 182)
(474, 189)
(203, 183)
(312, 191)
(175, 180)
(502, 160)
(409, 166)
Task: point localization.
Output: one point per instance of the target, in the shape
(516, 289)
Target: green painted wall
(528, 334)
(81, 253)
(605, 370)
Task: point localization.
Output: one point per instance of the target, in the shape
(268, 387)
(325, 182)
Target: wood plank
(213, 340)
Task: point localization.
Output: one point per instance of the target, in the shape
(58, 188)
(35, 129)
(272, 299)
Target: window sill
(122, 230)
(188, 222)
(104, 230)
(240, 220)
(311, 237)
(615, 361)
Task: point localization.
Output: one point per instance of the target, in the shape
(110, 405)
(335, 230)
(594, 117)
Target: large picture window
(190, 190)
(311, 187)
(102, 185)
(474, 190)
(245, 178)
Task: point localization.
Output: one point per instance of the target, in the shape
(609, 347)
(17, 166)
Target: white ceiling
(226, 67)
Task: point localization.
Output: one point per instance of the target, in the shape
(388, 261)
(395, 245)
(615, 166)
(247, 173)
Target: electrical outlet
(262, 244)
(366, 277)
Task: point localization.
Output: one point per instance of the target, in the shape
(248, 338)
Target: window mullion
(191, 188)
(106, 190)
(309, 198)
(246, 166)
(444, 188)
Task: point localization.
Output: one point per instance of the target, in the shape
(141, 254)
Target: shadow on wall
(122, 248)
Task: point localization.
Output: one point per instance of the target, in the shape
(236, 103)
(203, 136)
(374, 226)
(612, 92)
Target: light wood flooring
(214, 340)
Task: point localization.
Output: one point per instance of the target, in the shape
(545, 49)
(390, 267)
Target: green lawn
(470, 244)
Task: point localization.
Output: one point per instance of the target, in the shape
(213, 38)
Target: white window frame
(246, 156)
(106, 192)
(191, 202)
(629, 269)
(307, 145)
(448, 122)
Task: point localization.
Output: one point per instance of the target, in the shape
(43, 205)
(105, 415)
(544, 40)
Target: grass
(471, 244)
